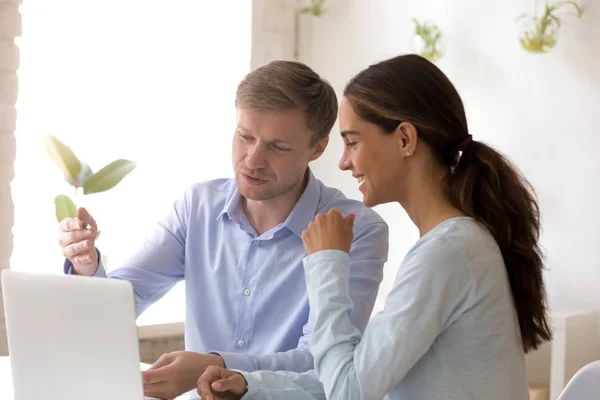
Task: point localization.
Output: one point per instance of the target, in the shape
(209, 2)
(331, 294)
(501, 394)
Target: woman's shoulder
(459, 243)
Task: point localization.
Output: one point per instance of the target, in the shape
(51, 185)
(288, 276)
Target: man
(237, 242)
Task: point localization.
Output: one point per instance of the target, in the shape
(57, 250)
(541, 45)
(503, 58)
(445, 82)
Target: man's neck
(265, 215)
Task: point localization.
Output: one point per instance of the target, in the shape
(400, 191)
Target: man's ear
(320, 148)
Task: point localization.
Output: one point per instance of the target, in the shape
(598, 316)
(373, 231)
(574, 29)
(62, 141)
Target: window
(153, 82)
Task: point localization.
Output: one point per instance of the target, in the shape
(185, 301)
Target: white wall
(539, 109)
(10, 27)
(157, 87)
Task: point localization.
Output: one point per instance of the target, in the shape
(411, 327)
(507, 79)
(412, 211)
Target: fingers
(86, 217)
(158, 390)
(72, 230)
(210, 375)
(159, 371)
(219, 380)
(80, 252)
(77, 237)
(349, 220)
(334, 212)
(71, 224)
(165, 359)
(153, 376)
(77, 245)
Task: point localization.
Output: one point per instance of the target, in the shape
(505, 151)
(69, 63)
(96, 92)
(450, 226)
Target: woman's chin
(368, 201)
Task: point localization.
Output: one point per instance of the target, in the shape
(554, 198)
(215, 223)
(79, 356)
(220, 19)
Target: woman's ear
(407, 138)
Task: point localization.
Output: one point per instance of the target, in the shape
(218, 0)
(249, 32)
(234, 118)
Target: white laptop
(71, 337)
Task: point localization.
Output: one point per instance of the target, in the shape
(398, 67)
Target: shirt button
(241, 342)
(257, 242)
(247, 292)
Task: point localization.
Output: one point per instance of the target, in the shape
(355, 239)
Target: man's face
(271, 151)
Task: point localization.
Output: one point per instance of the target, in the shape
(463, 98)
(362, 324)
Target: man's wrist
(215, 359)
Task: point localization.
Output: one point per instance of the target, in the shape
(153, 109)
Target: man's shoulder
(210, 189)
(332, 197)
(210, 195)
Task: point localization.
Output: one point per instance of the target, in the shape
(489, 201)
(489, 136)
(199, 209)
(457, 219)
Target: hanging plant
(316, 8)
(428, 41)
(538, 34)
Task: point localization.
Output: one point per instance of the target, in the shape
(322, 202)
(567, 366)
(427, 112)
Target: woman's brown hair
(481, 182)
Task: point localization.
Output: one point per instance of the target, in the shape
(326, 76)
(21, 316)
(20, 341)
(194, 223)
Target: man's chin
(254, 193)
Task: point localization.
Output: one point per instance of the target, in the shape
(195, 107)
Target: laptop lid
(71, 337)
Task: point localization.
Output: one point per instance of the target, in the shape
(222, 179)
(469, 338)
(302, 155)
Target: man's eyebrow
(274, 141)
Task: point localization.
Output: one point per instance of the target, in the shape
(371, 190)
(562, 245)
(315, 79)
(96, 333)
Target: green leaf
(64, 157)
(108, 177)
(65, 208)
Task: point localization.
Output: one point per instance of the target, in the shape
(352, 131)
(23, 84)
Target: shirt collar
(233, 203)
(305, 209)
(303, 212)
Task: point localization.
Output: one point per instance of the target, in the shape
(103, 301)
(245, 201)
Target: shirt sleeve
(159, 264)
(277, 385)
(367, 256)
(430, 285)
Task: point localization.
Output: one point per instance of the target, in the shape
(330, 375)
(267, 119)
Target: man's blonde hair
(285, 85)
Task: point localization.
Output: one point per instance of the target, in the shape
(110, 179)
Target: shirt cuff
(235, 361)
(100, 271)
(251, 385)
(313, 261)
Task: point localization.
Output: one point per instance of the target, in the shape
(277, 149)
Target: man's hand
(176, 373)
(76, 238)
(218, 383)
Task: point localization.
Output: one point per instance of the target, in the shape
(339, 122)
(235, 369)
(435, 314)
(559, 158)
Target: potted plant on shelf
(316, 8)
(81, 177)
(428, 40)
(539, 34)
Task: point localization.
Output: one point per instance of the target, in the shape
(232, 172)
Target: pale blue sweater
(449, 328)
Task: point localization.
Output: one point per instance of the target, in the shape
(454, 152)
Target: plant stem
(75, 198)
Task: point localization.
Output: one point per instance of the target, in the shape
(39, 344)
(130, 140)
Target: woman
(468, 299)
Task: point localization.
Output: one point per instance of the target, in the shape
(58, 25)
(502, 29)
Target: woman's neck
(427, 203)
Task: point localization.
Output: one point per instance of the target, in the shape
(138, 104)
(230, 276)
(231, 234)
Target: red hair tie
(463, 145)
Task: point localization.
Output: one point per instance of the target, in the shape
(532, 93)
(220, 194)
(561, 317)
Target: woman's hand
(329, 231)
(221, 384)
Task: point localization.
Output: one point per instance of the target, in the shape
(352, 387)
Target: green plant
(540, 33)
(81, 177)
(315, 8)
(429, 36)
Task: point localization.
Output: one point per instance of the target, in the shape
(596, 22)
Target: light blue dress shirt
(245, 294)
(449, 328)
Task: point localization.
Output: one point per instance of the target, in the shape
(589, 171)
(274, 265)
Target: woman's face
(375, 159)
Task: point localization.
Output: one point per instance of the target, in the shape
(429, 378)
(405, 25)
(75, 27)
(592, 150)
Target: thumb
(231, 383)
(85, 216)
